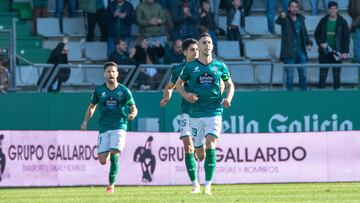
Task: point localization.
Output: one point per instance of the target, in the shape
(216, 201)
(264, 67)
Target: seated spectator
(151, 20)
(146, 53)
(95, 13)
(233, 22)
(120, 17)
(185, 16)
(121, 57)
(57, 56)
(4, 75)
(207, 22)
(174, 55)
(245, 8)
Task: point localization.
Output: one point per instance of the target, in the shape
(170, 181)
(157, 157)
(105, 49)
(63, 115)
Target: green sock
(114, 168)
(209, 164)
(190, 165)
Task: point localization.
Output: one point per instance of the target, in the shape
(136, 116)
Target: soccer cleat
(207, 190)
(110, 189)
(196, 189)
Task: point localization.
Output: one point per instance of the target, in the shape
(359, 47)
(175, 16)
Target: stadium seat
(278, 74)
(311, 22)
(350, 75)
(256, 25)
(228, 50)
(27, 75)
(242, 73)
(257, 50)
(48, 27)
(74, 26)
(263, 72)
(35, 55)
(96, 51)
(75, 51)
(222, 23)
(94, 76)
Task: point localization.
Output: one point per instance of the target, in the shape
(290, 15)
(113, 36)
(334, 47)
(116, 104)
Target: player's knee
(188, 149)
(102, 161)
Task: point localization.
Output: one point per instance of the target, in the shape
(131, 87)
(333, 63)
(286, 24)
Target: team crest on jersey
(196, 69)
(215, 69)
(206, 79)
(103, 94)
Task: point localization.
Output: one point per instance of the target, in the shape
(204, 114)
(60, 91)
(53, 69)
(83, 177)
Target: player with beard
(117, 106)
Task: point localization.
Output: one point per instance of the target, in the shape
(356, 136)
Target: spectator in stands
(294, 43)
(245, 9)
(174, 55)
(95, 12)
(151, 20)
(270, 13)
(57, 56)
(147, 53)
(120, 17)
(233, 22)
(207, 22)
(354, 13)
(315, 6)
(121, 57)
(59, 7)
(4, 75)
(185, 16)
(39, 11)
(333, 37)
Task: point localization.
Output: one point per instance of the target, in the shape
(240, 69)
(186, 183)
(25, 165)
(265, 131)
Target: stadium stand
(223, 48)
(96, 51)
(256, 25)
(48, 27)
(74, 27)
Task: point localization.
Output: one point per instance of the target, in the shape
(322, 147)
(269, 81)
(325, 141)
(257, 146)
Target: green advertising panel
(250, 112)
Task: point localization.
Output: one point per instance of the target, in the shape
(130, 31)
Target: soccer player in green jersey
(191, 52)
(116, 105)
(203, 77)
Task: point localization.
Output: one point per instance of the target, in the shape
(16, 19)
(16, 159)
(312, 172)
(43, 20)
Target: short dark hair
(110, 63)
(205, 34)
(332, 3)
(120, 40)
(293, 1)
(187, 42)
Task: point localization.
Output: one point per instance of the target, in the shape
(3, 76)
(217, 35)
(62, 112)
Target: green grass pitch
(307, 192)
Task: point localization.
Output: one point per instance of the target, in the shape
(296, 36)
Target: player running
(191, 52)
(115, 101)
(203, 77)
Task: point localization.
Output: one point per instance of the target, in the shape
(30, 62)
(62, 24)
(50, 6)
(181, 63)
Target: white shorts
(111, 139)
(201, 127)
(184, 125)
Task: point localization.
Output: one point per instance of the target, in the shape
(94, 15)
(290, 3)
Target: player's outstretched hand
(83, 126)
(164, 102)
(191, 97)
(226, 103)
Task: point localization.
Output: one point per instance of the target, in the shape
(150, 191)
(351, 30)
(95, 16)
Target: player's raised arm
(229, 85)
(190, 97)
(167, 94)
(133, 112)
(89, 113)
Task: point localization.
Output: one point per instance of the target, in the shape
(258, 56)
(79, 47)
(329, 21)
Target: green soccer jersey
(185, 105)
(204, 81)
(113, 106)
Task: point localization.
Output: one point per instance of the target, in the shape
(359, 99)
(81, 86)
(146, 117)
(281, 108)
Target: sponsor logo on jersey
(111, 103)
(206, 79)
